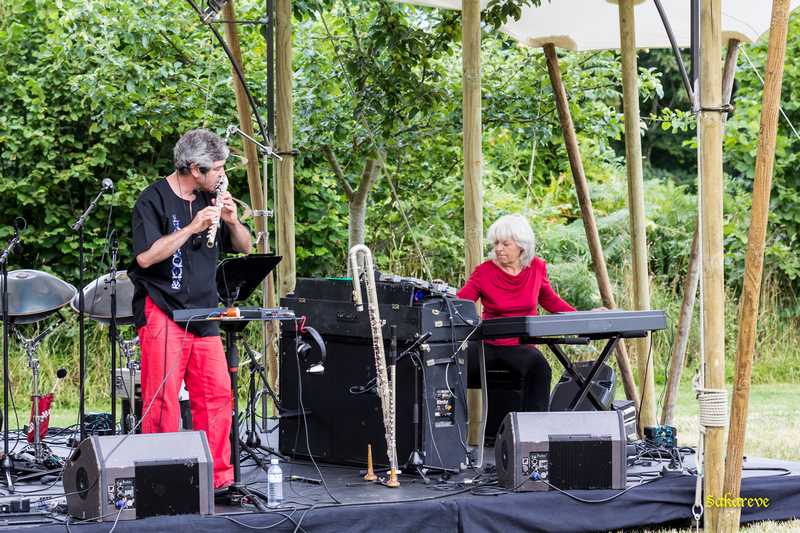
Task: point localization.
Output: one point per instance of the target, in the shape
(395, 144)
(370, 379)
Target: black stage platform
(454, 504)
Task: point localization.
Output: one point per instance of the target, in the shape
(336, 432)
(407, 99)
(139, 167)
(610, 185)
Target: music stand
(237, 279)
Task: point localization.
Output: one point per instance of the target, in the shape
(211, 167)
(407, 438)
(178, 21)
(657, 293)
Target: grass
(773, 420)
(792, 526)
(773, 430)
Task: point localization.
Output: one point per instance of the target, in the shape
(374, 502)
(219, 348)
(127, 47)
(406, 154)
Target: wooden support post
(245, 119)
(729, 72)
(587, 213)
(710, 130)
(284, 201)
(473, 166)
(633, 156)
(678, 358)
(257, 191)
(754, 260)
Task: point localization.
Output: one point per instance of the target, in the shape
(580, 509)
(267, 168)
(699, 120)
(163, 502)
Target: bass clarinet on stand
(385, 389)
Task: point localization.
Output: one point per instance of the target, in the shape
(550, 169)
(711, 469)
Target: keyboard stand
(555, 343)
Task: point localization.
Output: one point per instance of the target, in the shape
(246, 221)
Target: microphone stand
(7, 464)
(267, 152)
(112, 330)
(79, 227)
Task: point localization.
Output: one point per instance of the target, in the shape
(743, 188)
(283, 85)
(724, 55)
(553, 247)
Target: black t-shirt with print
(186, 279)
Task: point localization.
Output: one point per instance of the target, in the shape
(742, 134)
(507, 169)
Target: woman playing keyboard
(513, 282)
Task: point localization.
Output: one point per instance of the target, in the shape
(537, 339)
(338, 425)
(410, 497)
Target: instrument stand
(112, 330)
(583, 383)
(128, 348)
(79, 227)
(7, 464)
(30, 346)
(237, 278)
(416, 460)
(258, 371)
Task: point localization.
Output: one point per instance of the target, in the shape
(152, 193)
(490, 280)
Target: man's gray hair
(201, 147)
(516, 228)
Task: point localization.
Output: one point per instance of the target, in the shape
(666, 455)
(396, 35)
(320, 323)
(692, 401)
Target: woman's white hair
(516, 228)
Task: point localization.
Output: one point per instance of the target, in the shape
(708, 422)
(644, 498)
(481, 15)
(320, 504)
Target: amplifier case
(155, 473)
(341, 424)
(570, 450)
(329, 306)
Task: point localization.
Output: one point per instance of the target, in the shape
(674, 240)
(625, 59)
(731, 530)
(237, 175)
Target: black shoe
(222, 495)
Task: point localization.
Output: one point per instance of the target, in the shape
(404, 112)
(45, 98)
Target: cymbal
(34, 295)
(97, 299)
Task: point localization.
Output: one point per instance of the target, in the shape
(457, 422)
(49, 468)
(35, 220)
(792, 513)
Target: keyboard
(590, 324)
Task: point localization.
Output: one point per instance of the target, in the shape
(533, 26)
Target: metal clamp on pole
(267, 151)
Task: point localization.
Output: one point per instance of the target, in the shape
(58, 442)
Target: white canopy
(594, 24)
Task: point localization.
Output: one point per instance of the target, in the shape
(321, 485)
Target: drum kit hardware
(34, 298)
(102, 296)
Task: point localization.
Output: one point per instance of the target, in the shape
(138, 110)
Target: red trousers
(170, 356)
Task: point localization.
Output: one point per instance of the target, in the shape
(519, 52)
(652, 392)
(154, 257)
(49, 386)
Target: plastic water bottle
(274, 484)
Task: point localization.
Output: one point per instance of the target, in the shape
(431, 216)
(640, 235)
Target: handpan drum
(97, 299)
(34, 295)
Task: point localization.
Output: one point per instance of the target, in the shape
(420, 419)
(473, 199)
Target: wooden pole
(473, 163)
(473, 153)
(678, 358)
(245, 119)
(257, 191)
(633, 154)
(754, 260)
(710, 129)
(682, 331)
(284, 201)
(729, 72)
(587, 213)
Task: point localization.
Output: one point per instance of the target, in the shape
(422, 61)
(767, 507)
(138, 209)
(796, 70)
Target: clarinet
(222, 186)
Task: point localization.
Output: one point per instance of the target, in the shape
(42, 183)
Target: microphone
(105, 186)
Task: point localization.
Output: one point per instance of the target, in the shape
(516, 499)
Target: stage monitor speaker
(127, 477)
(603, 387)
(568, 450)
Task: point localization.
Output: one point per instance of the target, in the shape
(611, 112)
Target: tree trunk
(356, 198)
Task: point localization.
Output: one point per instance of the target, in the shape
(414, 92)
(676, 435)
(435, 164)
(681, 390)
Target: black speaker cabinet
(603, 387)
(136, 476)
(568, 450)
(342, 419)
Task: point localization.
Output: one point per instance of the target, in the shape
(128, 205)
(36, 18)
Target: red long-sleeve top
(504, 295)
